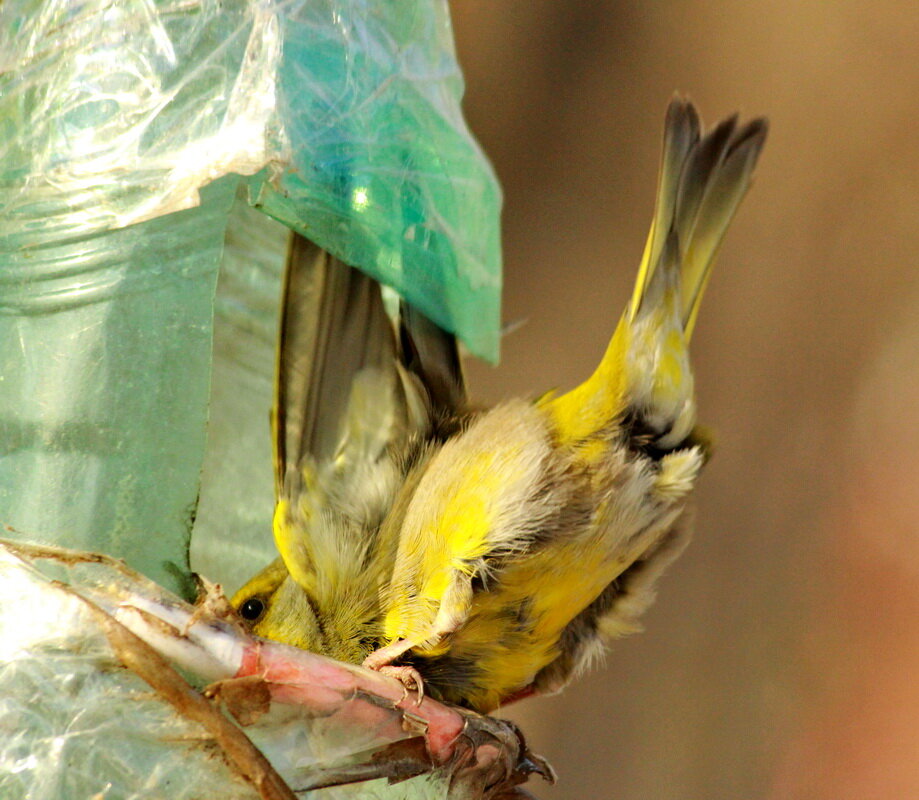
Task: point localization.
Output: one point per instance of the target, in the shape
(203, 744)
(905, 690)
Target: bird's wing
(333, 327)
(433, 355)
(352, 403)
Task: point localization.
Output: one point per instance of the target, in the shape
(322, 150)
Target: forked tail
(702, 181)
(645, 371)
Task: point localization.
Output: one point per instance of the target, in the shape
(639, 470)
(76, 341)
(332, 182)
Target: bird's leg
(452, 613)
(381, 661)
(384, 656)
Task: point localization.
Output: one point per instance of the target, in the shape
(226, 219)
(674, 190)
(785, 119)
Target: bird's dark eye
(252, 609)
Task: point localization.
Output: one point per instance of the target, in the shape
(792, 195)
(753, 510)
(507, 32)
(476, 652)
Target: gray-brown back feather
(333, 326)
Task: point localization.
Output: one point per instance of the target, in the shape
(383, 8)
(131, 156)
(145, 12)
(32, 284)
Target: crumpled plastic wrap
(74, 723)
(385, 173)
(124, 128)
(348, 110)
(90, 706)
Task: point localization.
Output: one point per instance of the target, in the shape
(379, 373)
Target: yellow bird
(490, 553)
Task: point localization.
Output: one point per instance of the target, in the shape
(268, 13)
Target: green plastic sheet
(385, 173)
(125, 130)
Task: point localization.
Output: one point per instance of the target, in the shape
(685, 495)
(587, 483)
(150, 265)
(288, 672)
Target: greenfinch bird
(490, 553)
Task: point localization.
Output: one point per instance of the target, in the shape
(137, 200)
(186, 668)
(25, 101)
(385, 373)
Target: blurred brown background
(782, 657)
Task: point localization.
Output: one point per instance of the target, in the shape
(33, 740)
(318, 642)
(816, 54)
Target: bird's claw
(409, 677)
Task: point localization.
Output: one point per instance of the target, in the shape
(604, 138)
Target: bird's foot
(381, 661)
(410, 679)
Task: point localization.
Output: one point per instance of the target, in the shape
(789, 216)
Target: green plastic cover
(124, 130)
(382, 170)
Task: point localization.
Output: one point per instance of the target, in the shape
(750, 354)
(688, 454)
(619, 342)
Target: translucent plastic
(104, 381)
(385, 173)
(75, 723)
(114, 113)
(232, 535)
(112, 119)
